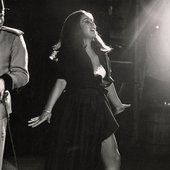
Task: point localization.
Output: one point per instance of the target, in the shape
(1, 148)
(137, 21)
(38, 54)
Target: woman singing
(83, 134)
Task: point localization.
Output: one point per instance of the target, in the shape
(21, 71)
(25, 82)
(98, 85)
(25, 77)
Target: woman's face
(88, 26)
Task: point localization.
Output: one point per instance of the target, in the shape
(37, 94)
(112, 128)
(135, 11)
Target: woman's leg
(110, 154)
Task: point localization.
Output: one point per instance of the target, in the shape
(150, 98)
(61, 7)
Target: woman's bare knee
(110, 154)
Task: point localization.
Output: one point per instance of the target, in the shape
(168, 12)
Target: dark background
(41, 21)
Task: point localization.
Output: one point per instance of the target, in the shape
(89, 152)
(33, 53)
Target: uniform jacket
(13, 58)
(13, 61)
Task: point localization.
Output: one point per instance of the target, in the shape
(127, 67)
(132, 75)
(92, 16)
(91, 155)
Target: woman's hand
(122, 108)
(46, 115)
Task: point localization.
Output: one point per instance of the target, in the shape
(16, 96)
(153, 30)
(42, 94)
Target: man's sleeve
(18, 75)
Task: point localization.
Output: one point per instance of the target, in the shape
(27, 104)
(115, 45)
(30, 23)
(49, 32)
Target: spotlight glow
(153, 26)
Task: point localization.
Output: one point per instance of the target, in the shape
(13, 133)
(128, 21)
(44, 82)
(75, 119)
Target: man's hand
(2, 88)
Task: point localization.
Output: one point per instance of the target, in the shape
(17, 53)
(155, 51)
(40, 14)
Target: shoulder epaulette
(12, 30)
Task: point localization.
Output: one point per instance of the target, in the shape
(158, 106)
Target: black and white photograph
(84, 84)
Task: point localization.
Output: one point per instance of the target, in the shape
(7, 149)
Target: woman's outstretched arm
(54, 95)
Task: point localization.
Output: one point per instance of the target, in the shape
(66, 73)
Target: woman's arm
(54, 95)
(114, 99)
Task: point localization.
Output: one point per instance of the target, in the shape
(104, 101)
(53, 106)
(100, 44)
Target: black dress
(82, 118)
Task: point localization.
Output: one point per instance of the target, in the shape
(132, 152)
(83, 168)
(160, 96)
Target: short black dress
(82, 118)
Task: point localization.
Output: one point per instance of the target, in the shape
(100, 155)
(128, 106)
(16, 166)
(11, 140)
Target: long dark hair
(71, 35)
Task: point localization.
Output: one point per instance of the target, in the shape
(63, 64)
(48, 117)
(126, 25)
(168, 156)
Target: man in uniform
(13, 69)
